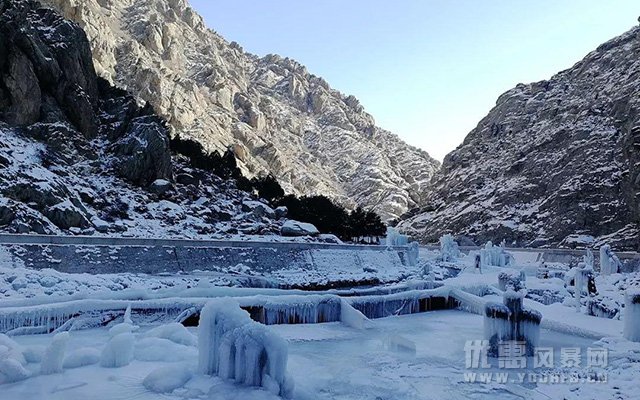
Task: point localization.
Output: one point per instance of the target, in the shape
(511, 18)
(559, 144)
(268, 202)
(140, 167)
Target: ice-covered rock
(297, 228)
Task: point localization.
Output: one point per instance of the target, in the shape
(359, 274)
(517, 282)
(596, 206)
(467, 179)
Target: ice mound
(167, 379)
(52, 360)
(82, 357)
(158, 349)
(119, 351)
(174, 332)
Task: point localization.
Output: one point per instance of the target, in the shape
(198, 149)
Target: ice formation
(609, 262)
(632, 315)
(167, 379)
(11, 370)
(511, 322)
(81, 357)
(295, 309)
(15, 351)
(580, 278)
(511, 280)
(395, 238)
(350, 316)
(495, 256)
(413, 254)
(52, 360)
(410, 302)
(449, 250)
(174, 332)
(33, 354)
(589, 259)
(158, 349)
(127, 315)
(118, 351)
(233, 346)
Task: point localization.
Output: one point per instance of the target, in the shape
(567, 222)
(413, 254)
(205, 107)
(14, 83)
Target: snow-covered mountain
(554, 162)
(279, 117)
(78, 155)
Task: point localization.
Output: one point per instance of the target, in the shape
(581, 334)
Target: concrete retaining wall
(309, 262)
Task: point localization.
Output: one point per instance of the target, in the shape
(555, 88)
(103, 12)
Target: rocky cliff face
(555, 162)
(81, 156)
(278, 117)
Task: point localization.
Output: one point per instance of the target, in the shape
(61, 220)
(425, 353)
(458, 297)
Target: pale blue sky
(428, 70)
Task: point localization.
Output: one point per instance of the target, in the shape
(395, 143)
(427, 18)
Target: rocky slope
(279, 117)
(79, 156)
(554, 162)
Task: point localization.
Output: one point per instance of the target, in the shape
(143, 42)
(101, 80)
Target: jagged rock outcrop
(555, 162)
(277, 116)
(78, 155)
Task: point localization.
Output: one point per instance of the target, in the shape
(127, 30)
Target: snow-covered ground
(416, 356)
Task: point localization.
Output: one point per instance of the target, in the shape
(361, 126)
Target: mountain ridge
(555, 162)
(278, 117)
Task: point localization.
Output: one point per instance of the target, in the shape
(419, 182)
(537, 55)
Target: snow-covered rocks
(506, 180)
(297, 228)
(235, 347)
(160, 186)
(277, 116)
(258, 209)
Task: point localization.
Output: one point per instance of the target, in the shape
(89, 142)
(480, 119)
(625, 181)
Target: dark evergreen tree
(268, 188)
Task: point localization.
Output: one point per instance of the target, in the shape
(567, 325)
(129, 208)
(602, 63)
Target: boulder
(297, 228)
(160, 186)
(143, 155)
(187, 179)
(65, 215)
(258, 209)
(281, 212)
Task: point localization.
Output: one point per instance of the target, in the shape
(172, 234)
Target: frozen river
(327, 361)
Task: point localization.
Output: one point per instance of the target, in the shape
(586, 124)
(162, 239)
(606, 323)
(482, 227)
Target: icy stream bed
(418, 356)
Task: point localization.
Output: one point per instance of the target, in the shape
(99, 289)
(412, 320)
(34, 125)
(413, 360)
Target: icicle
(235, 347)
(127, 315)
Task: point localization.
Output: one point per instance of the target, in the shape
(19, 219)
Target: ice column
(632, 315)
(233, 346)
(511, 322)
